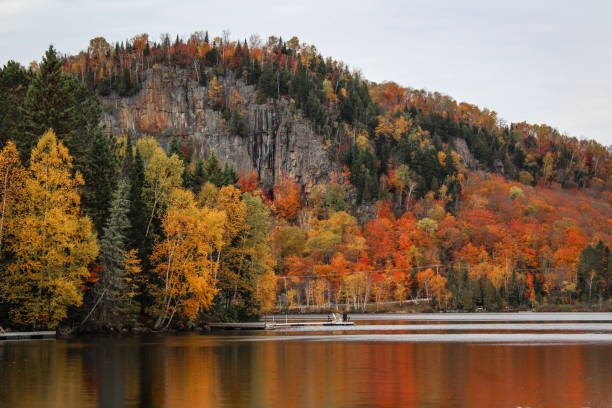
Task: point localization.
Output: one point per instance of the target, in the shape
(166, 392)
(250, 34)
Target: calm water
(560, 360)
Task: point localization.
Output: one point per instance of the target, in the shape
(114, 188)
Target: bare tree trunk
(94, 307)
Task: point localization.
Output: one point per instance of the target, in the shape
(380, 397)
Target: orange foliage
(248, 183)
(287, 196)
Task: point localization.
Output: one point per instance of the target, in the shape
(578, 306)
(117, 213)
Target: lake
(426, 360)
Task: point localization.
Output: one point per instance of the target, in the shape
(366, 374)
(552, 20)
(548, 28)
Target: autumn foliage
(430, 200)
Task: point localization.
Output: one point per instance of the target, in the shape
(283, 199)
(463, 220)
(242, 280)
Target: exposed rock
(465, 154)
(498, 166)
(171, 103)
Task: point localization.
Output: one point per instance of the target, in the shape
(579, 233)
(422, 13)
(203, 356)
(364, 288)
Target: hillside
(289, 90)
(288, 180)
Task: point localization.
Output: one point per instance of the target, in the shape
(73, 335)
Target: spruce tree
(110, 290)
(230, 176)
(137, 214)
(199, 176)
(176, 148)
(213, 170)
(100, 174)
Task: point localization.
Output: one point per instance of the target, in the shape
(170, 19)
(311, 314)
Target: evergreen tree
(199, 176)
(176, 148)
(238, 124)
(14, 81)
(267, 82)
(230, 177)
(138, 213)
(60, 102)
(213, 170)
(110, 291)
(100, 175)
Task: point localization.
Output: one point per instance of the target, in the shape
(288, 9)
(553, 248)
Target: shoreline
(505, 316)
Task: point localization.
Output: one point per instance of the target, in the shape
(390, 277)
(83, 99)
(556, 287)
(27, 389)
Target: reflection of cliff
(170, 102)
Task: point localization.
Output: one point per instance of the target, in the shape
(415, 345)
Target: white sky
(542, 61)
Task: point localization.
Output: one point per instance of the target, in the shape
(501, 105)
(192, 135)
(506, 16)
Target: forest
(436, 200)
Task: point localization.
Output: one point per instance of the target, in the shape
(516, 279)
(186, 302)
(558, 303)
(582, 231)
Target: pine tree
(60, 102)
(14, 81)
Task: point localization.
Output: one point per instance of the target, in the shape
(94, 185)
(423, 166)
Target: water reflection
(223, 370)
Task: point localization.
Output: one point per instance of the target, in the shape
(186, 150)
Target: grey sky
(539, 61)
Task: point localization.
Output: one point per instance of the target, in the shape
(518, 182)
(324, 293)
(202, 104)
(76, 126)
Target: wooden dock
(238, 326)
(301, 324)
(273, 325)
(27, 335)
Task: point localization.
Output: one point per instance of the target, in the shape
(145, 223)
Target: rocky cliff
(171, 103)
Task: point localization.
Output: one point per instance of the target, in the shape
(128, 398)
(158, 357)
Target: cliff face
(171, 103)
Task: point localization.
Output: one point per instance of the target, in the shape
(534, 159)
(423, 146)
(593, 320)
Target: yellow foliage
(162, 175)
(53, 242)
(12, 179)
(363, 142)
(183, 261)
(442, 158)
(265, 290)
(132, 271)
(215, 92)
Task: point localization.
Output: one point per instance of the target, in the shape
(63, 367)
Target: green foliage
(516, 192)
(14, 83)
(58, 101)
(138, 213)
(127, 84)
(212, 172)
(111, 291)
(238, 124)
(100, 175)
(267, 82)
(335, 198)
(176, 147)
(211, 58)
(364, 173)
(594, 277)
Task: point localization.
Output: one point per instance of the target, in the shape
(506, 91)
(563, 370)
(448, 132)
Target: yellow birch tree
(183, 260)
(53, 242)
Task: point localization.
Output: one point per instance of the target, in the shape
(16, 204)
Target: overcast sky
(539, 61)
